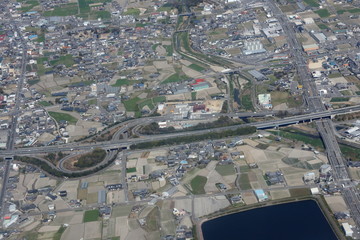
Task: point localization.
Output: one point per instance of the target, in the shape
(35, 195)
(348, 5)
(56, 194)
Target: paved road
(128, 142)
(14, 116)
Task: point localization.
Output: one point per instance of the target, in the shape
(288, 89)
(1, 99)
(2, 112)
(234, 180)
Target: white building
(347, 229)
(265, 100)
(253, 47)
(310, 176)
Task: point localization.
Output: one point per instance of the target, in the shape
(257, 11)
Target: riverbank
(320, 201)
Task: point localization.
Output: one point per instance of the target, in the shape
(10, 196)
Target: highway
(128, 142)
(314, 102)
(341, 175)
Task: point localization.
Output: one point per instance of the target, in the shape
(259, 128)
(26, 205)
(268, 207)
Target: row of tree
(194, 138)
(55, 172)
(223, 121)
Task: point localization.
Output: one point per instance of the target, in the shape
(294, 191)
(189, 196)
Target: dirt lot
(336, 203)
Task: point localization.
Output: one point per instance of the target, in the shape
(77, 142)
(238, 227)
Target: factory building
(253, 47)
(347, 229)
(265, 100)
(261, 195)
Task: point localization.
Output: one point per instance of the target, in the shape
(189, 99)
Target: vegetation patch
(193, 96)
(194, 138)
(91, 159)
(169, 50)
(323, 13)
(351, 153)
(28, 5)
(152, 223)
(339, 99)
(247, 103)
(62, 11)
(66, 60)
(225, 170)
(335, 75)
(323, 26)
(312, 3)
(196, 67)
(223, 121)
(122, 82)
(305, 138)
(176, 77)
(58, 234)
(353, 10)
(45, 103)
(91, 216)
(47, 167)
(131, 170)
(244, 181)
(132, 11)
(63, 117)
(100, 14)
(33, 82)
(55, 157)
(197, 184)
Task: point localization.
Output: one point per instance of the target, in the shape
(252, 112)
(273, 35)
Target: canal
(291, 221)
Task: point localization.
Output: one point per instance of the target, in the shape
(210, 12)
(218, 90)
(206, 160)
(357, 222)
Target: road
(314, 102)
(128, 142)
(14, 116)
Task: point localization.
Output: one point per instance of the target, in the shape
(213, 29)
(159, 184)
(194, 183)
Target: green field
(307, 139)
(131, 105)
(84, 6)
(148, 102)
(323, 13)
(91, 216)
(225, 170)
(169, 50)
(339, 99)
(65, 10)
(33, 82)
(193, 96)
(122, 82)
(132, 11)
(354, 10)
(244, 169)
(196, 67)
(58, 234)
(159, 99)
(67, 60)
(312, 3)
(323, 26)
(131, 170)
(45, 103)
(244, 182)
(63, 116)
(247, 103)
(197, 184)
(100, 14)
(350, 152)
(29, 5)
(174, 78)
(335, 75)
(136, 104)
(278, 97)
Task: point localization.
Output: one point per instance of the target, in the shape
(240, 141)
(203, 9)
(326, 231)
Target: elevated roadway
(127, 142)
